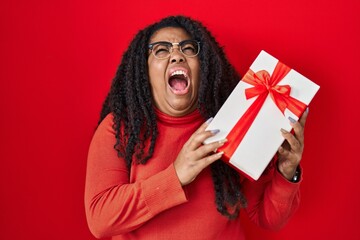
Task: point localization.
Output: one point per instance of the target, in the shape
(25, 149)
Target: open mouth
(179, 82)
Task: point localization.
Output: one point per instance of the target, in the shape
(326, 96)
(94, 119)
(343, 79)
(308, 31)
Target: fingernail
(214, 131)
(307, 109)
(292, 120)
(283, 130)
(209, 120)
(220, 153)
(223, 141)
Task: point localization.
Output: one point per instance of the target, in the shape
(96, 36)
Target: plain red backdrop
(58, 59)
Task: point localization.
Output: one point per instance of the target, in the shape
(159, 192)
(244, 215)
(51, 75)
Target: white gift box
(263, 138)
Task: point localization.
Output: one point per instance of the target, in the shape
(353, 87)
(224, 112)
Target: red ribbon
(263, 84)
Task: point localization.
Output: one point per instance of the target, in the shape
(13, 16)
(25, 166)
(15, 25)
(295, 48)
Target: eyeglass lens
(189, 48)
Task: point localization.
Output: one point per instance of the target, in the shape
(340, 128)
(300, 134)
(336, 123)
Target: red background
(57, 62)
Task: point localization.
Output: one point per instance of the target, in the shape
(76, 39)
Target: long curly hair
(130, 102)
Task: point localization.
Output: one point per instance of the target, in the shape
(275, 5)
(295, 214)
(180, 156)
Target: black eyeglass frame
(171, 46)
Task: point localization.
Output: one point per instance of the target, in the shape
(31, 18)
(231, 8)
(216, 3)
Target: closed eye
(189, 49)
(161, 50)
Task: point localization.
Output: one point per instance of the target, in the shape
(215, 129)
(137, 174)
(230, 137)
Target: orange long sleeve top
(150, 203)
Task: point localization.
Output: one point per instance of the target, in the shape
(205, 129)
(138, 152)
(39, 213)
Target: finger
(298, 130)
(295, 145)
(210, 159)
(304, 117)
(201, 128)
(206, 149)
(286, 156)
(286, 145)
(283, 153)
(204, 125)
(197, 139)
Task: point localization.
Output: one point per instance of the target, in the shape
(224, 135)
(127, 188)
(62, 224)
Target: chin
(181, 109)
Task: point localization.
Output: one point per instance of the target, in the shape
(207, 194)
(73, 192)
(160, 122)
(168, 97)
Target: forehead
(170, 34)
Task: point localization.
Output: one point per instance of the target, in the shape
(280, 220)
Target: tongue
(177, 83)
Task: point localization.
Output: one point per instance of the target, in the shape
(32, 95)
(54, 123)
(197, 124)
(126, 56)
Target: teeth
(179, 72)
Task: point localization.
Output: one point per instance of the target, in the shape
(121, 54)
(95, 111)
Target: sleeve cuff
(283, 188)
(163, 191)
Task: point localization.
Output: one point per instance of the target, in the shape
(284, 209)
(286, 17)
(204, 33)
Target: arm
(273, 199)
(113, 204)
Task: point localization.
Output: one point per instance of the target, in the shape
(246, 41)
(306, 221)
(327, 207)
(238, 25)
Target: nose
(176, 56)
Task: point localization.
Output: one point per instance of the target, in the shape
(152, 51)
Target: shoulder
(106, 125)
(107, 121)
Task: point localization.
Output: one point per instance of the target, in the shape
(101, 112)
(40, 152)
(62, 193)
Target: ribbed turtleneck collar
(178, 121)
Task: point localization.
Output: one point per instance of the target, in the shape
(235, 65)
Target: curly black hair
(130, 102)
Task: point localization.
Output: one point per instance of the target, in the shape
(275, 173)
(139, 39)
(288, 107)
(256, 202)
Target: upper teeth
(179, 72)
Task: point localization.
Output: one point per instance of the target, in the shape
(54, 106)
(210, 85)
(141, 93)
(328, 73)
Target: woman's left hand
(290, 152)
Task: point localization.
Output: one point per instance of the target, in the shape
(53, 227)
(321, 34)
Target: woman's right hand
(195, 156)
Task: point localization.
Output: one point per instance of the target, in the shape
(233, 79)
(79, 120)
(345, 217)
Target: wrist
(296, 177)
(291, 175)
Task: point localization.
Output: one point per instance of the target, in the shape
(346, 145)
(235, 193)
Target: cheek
(156, 73)
(196, 73)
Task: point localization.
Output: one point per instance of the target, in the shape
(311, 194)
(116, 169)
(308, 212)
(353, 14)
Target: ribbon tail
(280, 101)
(280, 71)
(240, 129)
(295, 106)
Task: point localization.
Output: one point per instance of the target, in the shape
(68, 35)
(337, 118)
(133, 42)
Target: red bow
(265, 84)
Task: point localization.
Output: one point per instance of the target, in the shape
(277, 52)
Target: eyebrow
(166, 42)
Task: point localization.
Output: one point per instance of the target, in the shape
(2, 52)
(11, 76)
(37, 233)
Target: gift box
(256, 110)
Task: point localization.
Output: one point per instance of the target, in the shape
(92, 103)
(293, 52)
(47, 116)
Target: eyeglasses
(163, 49)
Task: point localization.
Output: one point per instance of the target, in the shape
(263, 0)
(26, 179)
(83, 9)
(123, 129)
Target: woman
(149, 176)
